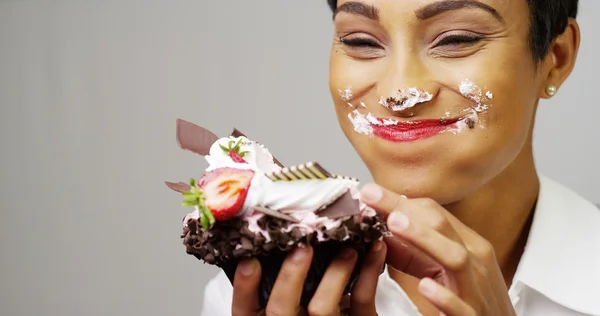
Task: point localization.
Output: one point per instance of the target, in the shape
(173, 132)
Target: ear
(561, 58)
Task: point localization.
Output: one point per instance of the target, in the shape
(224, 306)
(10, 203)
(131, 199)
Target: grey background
(89, 93)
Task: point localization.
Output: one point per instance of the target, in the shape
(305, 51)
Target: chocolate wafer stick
(307, 171)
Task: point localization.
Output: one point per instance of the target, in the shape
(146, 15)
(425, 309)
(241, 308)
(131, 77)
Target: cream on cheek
(481, 100)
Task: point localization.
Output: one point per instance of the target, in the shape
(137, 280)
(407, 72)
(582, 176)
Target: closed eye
(459, 40)
(359, 42)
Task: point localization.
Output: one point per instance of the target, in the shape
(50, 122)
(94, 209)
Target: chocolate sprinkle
(231, 240)
(194, 138)
(470, 122)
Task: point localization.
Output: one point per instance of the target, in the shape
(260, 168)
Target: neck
(505, 208)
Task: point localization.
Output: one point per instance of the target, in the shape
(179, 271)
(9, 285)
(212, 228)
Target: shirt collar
(562, 256)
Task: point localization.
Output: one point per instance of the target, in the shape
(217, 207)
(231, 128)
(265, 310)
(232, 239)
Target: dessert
(246, 204)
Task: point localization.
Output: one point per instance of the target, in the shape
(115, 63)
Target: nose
(405, 84)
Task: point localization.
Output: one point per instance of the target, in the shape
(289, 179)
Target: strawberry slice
(225, 190)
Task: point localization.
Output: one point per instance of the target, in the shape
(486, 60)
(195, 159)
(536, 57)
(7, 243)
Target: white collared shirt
(558, 275)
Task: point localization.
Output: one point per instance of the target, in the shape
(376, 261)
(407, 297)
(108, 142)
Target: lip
(406, 131)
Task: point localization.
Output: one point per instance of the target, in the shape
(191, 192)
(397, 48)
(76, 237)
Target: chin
(440, 185)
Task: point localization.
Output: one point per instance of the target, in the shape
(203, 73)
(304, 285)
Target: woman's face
(472, 64)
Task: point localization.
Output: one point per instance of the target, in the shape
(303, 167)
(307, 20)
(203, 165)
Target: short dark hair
(548, 19)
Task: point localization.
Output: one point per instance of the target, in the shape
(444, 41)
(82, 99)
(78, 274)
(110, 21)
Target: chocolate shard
(307, 171)
(276, 214)
(346, 205)
(194, 138)
(178, 186)
(237, 133)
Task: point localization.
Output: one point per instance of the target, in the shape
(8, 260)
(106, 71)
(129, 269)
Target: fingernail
(397, 221)
(427, 287)
(378, 245)
(299, 254)
(246, 267)
(371, 193)
(347, 254)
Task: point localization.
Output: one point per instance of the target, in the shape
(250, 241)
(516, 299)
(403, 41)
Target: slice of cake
(246, 204)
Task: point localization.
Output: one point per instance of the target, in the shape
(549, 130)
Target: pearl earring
(551, 90)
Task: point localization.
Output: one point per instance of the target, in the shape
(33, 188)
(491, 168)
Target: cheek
(515, 97)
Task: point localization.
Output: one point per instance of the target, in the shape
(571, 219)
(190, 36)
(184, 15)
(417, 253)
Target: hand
(285, 296)
(457, 267)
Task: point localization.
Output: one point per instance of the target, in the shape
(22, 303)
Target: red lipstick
(412, 130)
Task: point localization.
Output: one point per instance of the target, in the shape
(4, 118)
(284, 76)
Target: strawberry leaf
(194, 198)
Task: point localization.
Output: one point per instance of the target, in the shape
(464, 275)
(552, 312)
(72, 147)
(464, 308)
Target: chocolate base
(229, 242)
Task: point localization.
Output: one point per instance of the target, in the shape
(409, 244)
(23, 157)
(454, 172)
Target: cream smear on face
(474, 93)
(346, 94)
(406, 99)
(363, 123)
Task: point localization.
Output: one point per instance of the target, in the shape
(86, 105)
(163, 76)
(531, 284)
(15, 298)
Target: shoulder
(218, 294)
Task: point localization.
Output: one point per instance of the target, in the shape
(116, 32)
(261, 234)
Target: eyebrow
(358, 8)
(440, 7)
(427, 12)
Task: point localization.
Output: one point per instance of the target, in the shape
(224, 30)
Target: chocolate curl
(237, 133)
(178, 186)
(346, 205)
(194, 138)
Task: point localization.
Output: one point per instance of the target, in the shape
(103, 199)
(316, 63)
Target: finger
(440, 248)
(363, 291)
(331, 288)
(406, 258)
(422, 210)
(245, 289)
(380, 199)
(444, 299)
(286, 293)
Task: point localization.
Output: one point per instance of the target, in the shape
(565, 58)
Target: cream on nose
(405, 99)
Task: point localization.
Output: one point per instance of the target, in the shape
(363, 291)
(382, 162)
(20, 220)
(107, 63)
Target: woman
(439, 97)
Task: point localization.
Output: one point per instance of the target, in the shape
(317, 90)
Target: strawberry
(225, 190)
(236, 157)
(233, 149)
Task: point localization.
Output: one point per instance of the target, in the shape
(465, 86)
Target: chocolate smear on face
(178, 186)
(470, 123)
(194, 138)
(276, 214)
(237, 133)
(346, 205)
